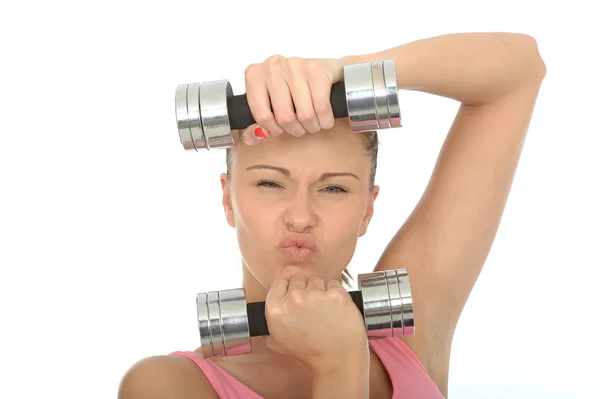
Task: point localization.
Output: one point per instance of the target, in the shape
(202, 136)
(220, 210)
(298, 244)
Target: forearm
(349, 382)
(473, 68)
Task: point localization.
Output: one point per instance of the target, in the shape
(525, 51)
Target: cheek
(254, 223)
(251, 213)
(346, 217)
(341, 227)
(340, 231)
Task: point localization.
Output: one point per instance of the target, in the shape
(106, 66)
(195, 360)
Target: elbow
(537, 66)
(526, 58)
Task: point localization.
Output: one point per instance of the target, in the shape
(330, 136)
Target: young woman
(298, 177)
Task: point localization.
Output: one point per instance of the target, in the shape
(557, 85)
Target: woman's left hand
(315, 322)
(279, 84)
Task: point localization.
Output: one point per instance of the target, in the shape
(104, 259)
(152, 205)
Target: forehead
(337, 148)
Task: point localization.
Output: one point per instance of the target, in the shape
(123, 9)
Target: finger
(302, 98)
(315, 283)
(336, 292)
(283, 106)
(258, 98)
(278, 289)
(321, 98)
(298, 282)
(254, 134)
(335, 285)
(291, 271)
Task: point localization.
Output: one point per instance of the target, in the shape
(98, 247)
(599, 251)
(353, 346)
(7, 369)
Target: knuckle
(295, 61)
(250, 71)
(264, 117)
(286, 118)
(296, 64)
(273, 310)
(337, 294)
(306, 116)
(274, 63)
(314, 67)
(323, 107)
(296, 297)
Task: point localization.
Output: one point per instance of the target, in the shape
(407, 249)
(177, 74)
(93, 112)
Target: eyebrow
(288, 174)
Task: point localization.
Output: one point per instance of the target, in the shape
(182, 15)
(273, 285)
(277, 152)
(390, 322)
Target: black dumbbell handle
(240, 116)
(257, 322)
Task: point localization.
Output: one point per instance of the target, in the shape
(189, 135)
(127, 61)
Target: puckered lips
(298, 247)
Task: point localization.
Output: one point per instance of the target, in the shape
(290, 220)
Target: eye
(267, 183)
(335, 189)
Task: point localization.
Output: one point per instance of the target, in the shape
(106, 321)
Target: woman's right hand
(279, 84)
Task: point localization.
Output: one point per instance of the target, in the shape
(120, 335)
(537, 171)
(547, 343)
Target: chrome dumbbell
(207, 112)
(226, 322)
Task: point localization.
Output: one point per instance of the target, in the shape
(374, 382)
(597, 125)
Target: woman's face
(299, 201)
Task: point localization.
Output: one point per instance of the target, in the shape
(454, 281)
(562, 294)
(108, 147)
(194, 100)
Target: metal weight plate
(223, 323)
(387, 303)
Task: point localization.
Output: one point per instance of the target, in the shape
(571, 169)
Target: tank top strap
(408, 375)
(225, 385)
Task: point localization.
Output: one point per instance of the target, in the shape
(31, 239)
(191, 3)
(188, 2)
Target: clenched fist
(314, 321)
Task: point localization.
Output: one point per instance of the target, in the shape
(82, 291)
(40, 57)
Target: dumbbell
(207, 112)
(226, 322)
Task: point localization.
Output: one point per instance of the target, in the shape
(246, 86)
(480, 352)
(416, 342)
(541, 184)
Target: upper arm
(445, 241)
(165, 377)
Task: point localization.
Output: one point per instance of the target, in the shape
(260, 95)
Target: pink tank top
(408, 376)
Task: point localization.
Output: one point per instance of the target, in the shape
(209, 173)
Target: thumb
(254, 134)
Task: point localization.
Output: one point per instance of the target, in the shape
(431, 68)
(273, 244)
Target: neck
(256, 292)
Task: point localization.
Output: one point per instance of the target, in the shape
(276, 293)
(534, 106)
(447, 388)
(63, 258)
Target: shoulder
(163, 377)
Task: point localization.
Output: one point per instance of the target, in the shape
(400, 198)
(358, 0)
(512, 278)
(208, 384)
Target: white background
(108, 228)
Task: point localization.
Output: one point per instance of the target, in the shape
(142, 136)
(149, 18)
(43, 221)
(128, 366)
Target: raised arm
(447, 238)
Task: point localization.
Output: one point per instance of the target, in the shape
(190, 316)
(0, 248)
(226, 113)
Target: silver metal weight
(372, 96)
(223, 323)
(386, 302)
(203, 117)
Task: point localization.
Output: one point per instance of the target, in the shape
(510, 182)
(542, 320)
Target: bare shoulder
(165, 377)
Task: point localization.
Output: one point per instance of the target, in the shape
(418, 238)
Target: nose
(299, 214)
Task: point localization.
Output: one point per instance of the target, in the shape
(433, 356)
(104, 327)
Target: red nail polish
(259, 133)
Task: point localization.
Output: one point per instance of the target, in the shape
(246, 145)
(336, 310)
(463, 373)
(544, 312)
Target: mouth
(298, 248)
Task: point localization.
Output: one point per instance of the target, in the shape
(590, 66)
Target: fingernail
(260, 133)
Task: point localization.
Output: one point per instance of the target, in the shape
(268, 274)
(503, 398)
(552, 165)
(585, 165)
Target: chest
(278, 383)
